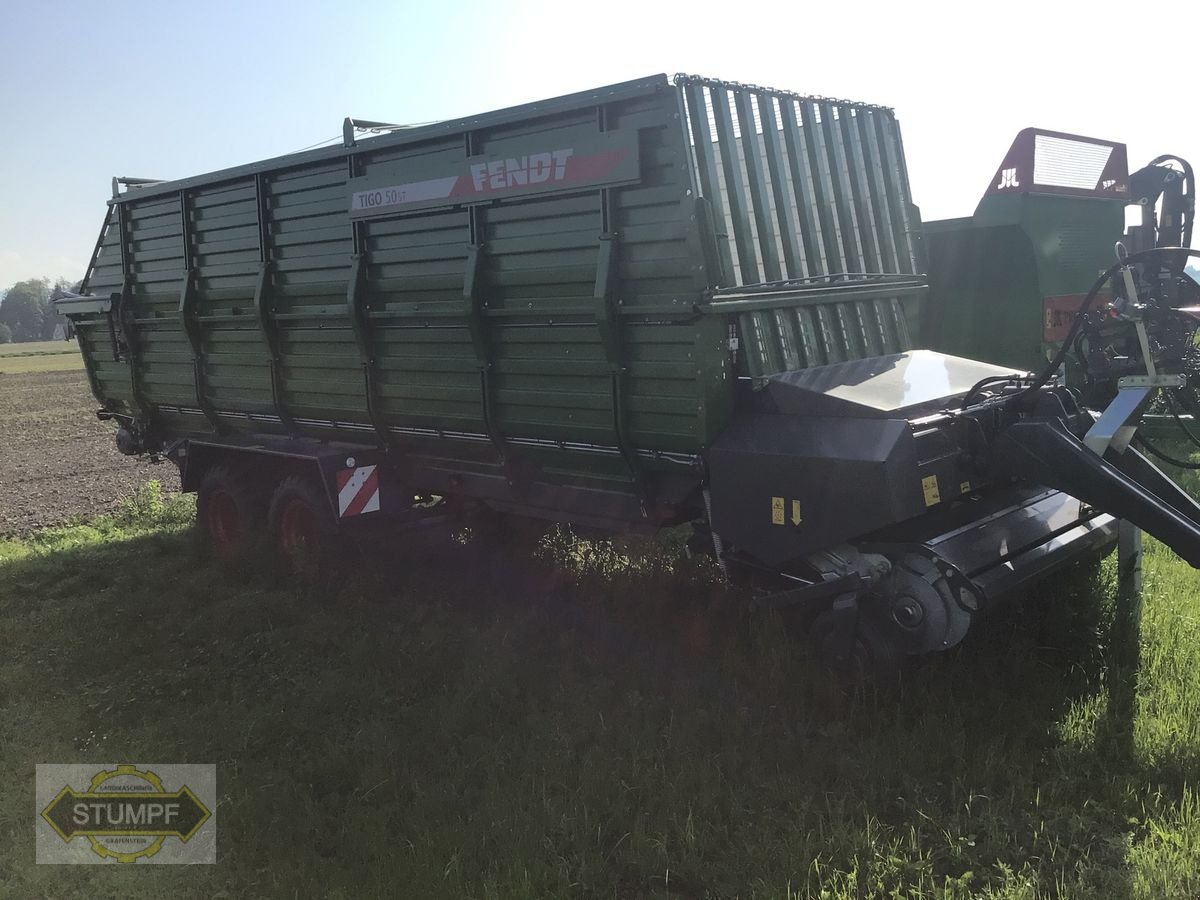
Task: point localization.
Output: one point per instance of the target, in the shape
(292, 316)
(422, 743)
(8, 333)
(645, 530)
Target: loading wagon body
(525, 296)
(661, 301)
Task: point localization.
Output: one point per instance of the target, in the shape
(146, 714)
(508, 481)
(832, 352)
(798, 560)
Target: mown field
(26, 348)
(39, 356)
(454, 720)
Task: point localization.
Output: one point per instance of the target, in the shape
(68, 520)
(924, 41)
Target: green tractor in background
(1007, 282)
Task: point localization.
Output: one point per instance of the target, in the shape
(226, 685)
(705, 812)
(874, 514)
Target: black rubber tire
(304, 536)
(230, 515)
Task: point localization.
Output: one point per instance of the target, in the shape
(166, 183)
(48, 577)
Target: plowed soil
(57, 461)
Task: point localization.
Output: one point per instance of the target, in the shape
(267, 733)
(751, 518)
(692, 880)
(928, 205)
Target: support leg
(1129, 570)
(1127, 637)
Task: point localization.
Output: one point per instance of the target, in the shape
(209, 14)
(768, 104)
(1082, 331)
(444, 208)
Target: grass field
(587, 720)
(463, 724)
(27, 348)
(39, 356)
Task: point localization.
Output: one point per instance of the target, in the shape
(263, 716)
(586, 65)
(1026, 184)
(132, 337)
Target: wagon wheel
(303, 533)
(229, 514)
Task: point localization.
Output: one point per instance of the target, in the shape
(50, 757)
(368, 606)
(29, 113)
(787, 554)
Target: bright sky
(166, 89)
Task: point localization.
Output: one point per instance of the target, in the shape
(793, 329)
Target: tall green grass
(585, 719)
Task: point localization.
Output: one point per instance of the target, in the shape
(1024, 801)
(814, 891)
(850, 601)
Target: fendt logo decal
(509, 173)
(496, 175)
(596, 161)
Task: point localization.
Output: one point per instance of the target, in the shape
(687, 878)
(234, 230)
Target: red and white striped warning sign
(358, 491)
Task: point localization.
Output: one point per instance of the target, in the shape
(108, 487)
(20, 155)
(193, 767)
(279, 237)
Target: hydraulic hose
(1165, 457)
(1040, 380)
(980, 385)
(1189, 211)
(1178, 421)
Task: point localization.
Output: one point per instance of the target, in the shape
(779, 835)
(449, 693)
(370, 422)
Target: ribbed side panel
(225, 256)
(819, 333)
(104, 271)
(310, 247)
(804, 186)
(560, 326)
(805, 190)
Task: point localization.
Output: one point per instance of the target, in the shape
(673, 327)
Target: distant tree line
(27, 310)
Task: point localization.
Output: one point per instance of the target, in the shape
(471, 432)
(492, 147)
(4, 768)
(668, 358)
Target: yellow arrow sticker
(796, 512)
(929, 486)
(777, 511)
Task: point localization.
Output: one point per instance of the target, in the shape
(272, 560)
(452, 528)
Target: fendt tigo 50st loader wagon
(654, 303)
